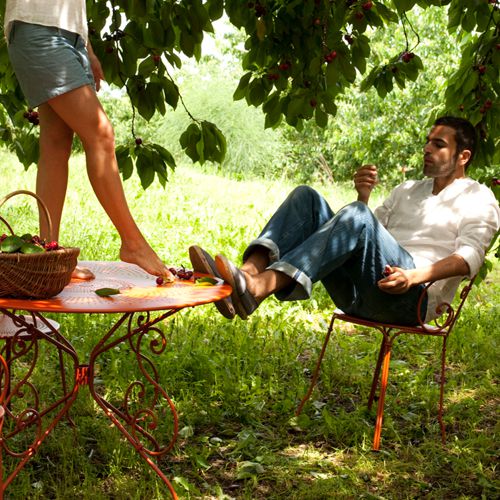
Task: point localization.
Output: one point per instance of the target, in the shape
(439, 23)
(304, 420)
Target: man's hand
(396, 280)
(399, 280)
(365, 180)
(96, 67)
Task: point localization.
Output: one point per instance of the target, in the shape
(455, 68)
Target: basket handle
(7, 224)
(40, 204)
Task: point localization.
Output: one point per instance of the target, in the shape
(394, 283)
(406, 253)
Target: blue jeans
(346, 251)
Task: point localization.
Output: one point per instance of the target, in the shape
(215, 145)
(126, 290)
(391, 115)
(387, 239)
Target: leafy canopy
(299, 57)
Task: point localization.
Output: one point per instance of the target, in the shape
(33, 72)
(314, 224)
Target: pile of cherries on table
(182, 273)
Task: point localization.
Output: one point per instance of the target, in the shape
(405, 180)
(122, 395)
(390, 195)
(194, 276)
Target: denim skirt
(48, 61)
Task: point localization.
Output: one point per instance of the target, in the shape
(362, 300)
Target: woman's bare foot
(82, 273)
(146, 258)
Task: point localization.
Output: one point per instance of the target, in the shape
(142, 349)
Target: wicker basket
(39, 275)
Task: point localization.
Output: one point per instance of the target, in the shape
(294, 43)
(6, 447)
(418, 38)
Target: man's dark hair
(465, 134)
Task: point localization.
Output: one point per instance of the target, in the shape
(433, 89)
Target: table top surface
(138, 292)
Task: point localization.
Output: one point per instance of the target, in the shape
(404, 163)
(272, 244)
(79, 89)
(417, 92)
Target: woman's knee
(101, 137)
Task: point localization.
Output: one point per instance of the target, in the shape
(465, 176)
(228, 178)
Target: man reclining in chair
(373, 265)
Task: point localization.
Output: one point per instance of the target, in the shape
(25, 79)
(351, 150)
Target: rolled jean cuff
(303, 285)
(274, 251)
(299, 290)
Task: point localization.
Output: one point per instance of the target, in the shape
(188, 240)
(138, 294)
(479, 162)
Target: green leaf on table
(205, 281)
(106, 292)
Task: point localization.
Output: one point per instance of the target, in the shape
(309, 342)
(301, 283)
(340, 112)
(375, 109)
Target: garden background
(236, 384)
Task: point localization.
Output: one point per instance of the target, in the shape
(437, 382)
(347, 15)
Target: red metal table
(143, 306)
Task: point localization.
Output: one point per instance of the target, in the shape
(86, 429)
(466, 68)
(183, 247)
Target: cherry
(387, 270)
(159, 281)
(260, 10)
(497, 46)
(284, 66)
(317, 22)
(156, 58)
(313, 103)
(359, 15)
(173, 270)
(349, 39)
(138, 141)
(53, 245)
(367, 6)
(481, 69)
(273, 76)
(109, 49)
(331, 56)
(495, 182)
(184, 274)
(488, 103)
(407, 56)
(32, 116)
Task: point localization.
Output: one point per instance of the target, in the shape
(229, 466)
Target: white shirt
(69, 15)
(461, 220)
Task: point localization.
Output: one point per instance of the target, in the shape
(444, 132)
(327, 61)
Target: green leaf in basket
(106, 292)
(31, 248)
(27, 237)
(11, 244)
(205, 281)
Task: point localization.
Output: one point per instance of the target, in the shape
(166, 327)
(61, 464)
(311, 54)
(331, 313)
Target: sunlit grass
(236, 384)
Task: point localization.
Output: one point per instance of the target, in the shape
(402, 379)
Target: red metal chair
(442, 328)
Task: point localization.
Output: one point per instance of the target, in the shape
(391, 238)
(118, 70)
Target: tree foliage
(300, 56)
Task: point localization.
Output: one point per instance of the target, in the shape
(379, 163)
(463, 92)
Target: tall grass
(236, 384)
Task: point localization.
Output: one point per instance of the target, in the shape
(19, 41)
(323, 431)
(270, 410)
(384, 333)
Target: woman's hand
(96, 67)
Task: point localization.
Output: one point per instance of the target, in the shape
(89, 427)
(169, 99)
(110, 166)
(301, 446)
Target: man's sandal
(202, 262)
(243, 301)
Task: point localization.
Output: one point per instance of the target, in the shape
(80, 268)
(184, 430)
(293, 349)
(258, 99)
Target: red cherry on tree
(138, 141)
(367, 5)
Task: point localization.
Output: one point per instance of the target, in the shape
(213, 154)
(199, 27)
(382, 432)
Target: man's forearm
(454, 265)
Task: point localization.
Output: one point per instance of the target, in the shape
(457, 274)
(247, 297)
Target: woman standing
(59, 73)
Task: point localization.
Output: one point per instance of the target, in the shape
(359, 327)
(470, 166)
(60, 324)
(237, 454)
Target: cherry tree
(299, 57)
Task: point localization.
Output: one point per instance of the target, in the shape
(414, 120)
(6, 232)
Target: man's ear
(464, 157)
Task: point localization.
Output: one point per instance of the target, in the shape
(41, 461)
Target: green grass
(236, 384)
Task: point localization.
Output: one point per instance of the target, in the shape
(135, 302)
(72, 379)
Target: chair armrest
(447, 315)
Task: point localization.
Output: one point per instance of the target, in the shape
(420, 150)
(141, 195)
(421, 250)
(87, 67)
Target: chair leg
(383, 387)
(316, 370)
(376, 374)
(441, 391)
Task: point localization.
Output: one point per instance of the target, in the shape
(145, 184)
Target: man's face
(440, 158)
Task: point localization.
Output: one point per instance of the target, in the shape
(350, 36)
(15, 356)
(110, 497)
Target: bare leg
(81, 110)
(264, 284)
(56, 139)
(257, 261)
(52, 176)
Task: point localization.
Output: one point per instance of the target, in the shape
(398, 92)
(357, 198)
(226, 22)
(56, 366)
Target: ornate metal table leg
(145, 405)
(21, 407)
